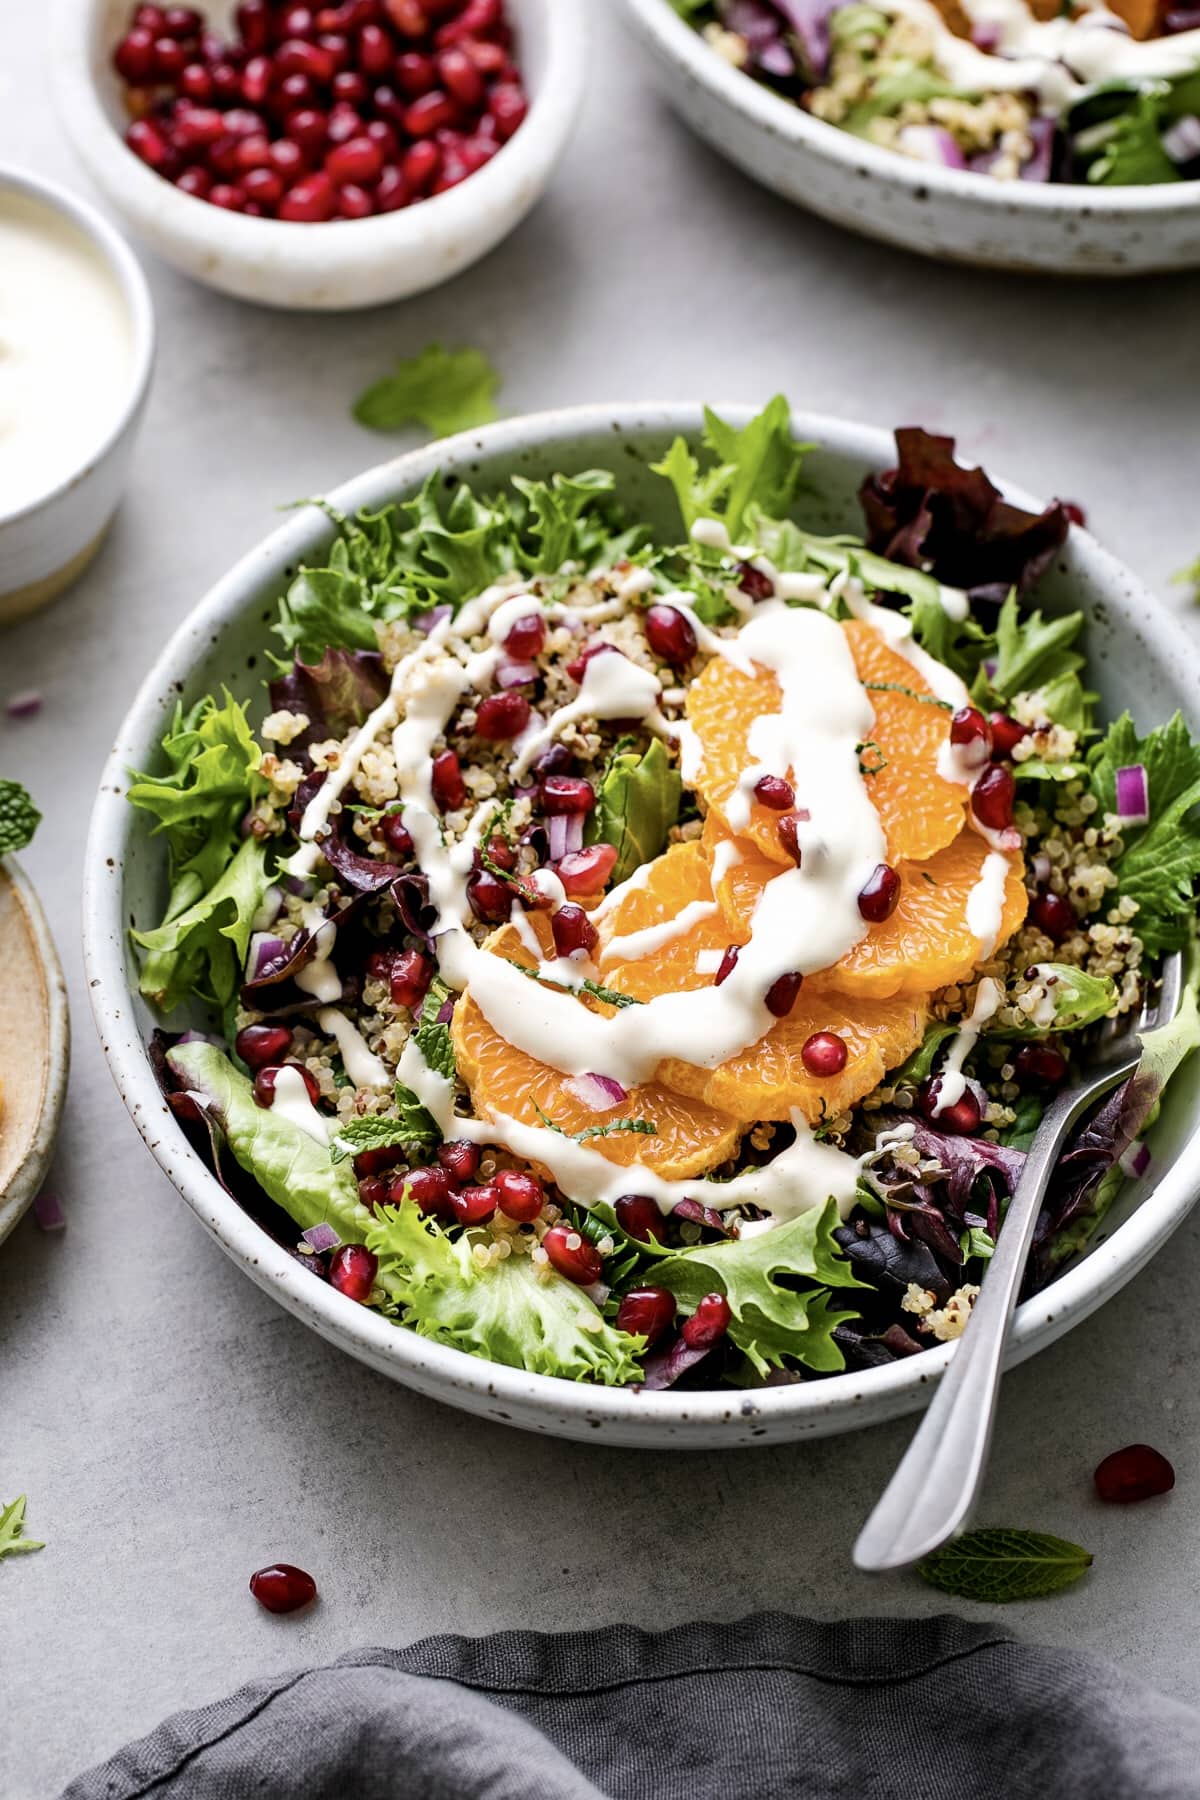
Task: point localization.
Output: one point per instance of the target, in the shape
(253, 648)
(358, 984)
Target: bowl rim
(769, 111)
(793, 1410)
(435, 226)
(135, 292)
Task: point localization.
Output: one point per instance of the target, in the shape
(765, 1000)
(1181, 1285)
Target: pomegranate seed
(567, 794)
(577, 667)
(170, 58)
(412, 973)
(1136, 1473)
(391, 191)
(373, 51)
(150, 18)
(501, 717)
(414, 74)
(574, 933)
(244, 122)
(727, 965)
(252, 153)
(226, 81)
(196, 83)
(491, 899)
(519, 1196)
(296, 91)
(296, 56)
(195, 181)
(147, 142)
(358, 161)
(508, 106)
(257, 79)
(134, 58)
(476, 151)
(586, 871)
(475, 1205)
(968, 726)
(526, 638)
(228, 195)
(311, 200)
(395, 834)
(754, 582)
(1075, 513)
(420, 167)
(182, 21)
(407, 16)
(774, 792)
(992, 798)
(1006, 734)
(354, 202)
(377, 1162)
(461, 79)
(344, 124)
(669, 635)
(428, 1189)
(352, 1271)
(708, 1324)
(501, 853)
(351, 89)
(572, 1255)
(1053, 914)
(297, 21)
(430, 113)
(641, 1218)
(460, 1159)
(282, 1588)
(308, 128)
(880, 895)
(337, 45)
(198, 127)
(449, 789)
(788, 833)
(258, 1045)
(489, 59)
(960, 1119)
(647, 1312)
(782, 994)
(264, 1082)
(1040, 1062)
(824, 1053)
(253, 21)
(372, 1190)
(381, 133)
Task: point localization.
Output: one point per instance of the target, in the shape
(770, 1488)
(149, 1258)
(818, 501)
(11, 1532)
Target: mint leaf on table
(444, 390)
(999, 1564)
(1161, 858)
(636, 806)
(13, 1541)
(19, 817)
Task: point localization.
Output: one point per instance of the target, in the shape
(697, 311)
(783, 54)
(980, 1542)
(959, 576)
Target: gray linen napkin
(870, 1709)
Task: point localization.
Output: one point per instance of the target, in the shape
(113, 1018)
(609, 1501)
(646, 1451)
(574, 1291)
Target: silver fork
(931, 1496)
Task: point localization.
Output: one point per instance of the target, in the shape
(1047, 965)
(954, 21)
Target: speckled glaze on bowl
(1138, 658)
(334, 266)
(945, 213)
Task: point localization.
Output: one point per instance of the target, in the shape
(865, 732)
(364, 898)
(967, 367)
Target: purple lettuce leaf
(878, 1255)
(365, 874)
(965, 1158)
(697, 1214)
(866, 1350)
(931, 513)
(274, 988)
(665, 1367)
(335, 694)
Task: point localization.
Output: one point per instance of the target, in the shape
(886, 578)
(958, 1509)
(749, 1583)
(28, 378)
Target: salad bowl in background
(342, 264)
(1138, 659)
(942, 212)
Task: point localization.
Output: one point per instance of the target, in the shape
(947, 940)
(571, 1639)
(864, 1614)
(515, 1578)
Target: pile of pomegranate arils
(325, 112)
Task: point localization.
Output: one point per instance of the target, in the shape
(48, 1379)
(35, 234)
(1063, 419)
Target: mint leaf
(759, 465)
(636, 805)
(410, 1124)
(13, 1541)
(997, 1565)
(19, 817)
(1162, 858)
(433, 1040)
(444, 390)
(772, 1317)
(508, 1313)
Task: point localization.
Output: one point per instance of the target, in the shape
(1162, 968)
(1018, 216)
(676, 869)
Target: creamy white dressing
(318, 977)
(952, 1083)
(66, 350)
(712, 534)
(633, 946)
(613, 687)
(985, 902)
(360, 1062)
(290, 1100)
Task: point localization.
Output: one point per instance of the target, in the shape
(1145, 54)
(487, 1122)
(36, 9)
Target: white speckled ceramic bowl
(35, 1045)
(1138, 658)
(335, 266)
(48, 542)
(946, 213)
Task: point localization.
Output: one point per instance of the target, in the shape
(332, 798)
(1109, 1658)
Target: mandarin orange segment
(920, 810)
(722, 705)
(926, 944)
(689, 1137)
(678, 880)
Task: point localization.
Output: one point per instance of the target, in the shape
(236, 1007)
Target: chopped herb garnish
(610, 996)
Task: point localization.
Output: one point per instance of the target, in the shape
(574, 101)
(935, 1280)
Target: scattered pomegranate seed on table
(1138, 1472)
(283, 1588)
(316, 114)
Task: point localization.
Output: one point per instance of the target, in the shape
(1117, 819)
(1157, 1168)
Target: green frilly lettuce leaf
(1161, 859)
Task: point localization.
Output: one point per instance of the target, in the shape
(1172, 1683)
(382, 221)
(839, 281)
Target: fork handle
(931, 1496)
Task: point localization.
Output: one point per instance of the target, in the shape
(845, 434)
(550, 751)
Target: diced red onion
(425, 622)
(23, 706)
(985, 37)
(445, 1012)
(1186, 18)
(990, 665)
(565, 834)
(930, 143)
(321, 1237)
(510, 674)
(263, 950)
(1133, 795)
(47, 1210)
(1037, 166)
(1135, 1160)
(302, 886)
(1181, 141)
(599, 1093)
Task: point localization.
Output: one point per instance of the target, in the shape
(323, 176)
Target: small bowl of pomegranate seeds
(316, 156)
(648, 911)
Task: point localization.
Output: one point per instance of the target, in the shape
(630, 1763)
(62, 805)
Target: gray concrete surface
(173, 1429)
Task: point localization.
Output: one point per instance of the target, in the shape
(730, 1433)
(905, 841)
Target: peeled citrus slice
(679, 879)
(927, 942)
(688, 1138)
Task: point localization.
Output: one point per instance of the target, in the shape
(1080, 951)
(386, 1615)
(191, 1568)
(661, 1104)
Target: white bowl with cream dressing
(952, 214)
(1138, 657)
(76, 351)
(342, 264)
